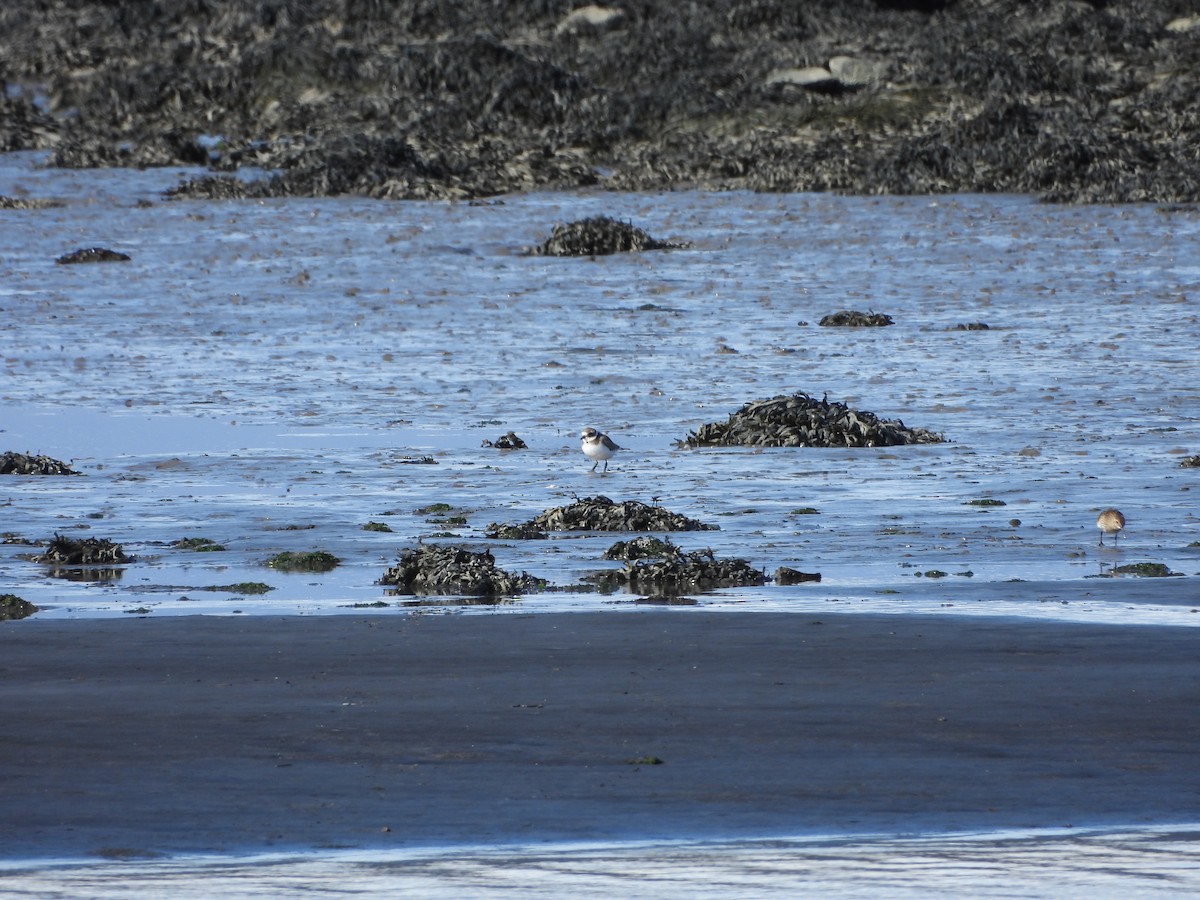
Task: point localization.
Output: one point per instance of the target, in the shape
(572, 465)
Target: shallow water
(271, 375)
(1052, 864)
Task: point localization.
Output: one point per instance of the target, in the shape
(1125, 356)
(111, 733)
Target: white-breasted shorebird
(1110, 521)
(597, 446)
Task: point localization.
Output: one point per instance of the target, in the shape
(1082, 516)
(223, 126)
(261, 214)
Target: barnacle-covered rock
(12, 463)
(802, 421)
(448, 569)
(598, 236)
(602, 514)
(855, 319)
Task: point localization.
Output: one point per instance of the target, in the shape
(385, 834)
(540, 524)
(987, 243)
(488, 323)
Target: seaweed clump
(508, 441)
(12, 463)
(65, 551)
(312, 561)
(802, 421)
(854, 319)
(91, 255)
(449, 569)
(14, 607)
(600, 514)
(661, 567)
(598, 236)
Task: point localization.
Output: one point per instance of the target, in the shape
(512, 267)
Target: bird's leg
(596, 464)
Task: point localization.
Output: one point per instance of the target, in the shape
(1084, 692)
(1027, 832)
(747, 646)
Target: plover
(597, 446)
(1110, 522)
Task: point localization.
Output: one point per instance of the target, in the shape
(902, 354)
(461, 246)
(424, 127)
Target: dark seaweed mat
(12, 463)
(666, 569)
(1067, 101)
(802, 421)
(855, 319)
(448, 569)
(14, 607)
(91, 255)
(65, 551)
(600, 514)
(598, 236)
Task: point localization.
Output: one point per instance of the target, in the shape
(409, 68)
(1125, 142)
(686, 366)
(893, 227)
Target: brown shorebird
(1110, 522)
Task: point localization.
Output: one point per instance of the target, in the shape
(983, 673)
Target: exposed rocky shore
(1070, 101)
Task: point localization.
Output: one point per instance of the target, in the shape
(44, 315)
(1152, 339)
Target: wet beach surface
(275, 375)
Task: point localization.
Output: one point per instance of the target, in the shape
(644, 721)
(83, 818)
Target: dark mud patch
(599, 236)
(91, 255)
(13, 463)
(14, 607)
(802, 421)
(600, 514)
(448, 569)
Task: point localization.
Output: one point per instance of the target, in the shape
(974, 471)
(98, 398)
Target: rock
(844, 73)
(91, 255)
(12, 463)
(445, 569)
(590, 19)
(813, 78)
(1183, 24)
(853, 73)
(801, 421)
(602, 514)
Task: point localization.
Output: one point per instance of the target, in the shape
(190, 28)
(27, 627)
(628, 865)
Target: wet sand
(146, 736)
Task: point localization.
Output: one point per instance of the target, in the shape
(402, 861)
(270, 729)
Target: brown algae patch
(14, 607)
(799, 420)
(311, 561)
(600, 514)
(453, 569)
